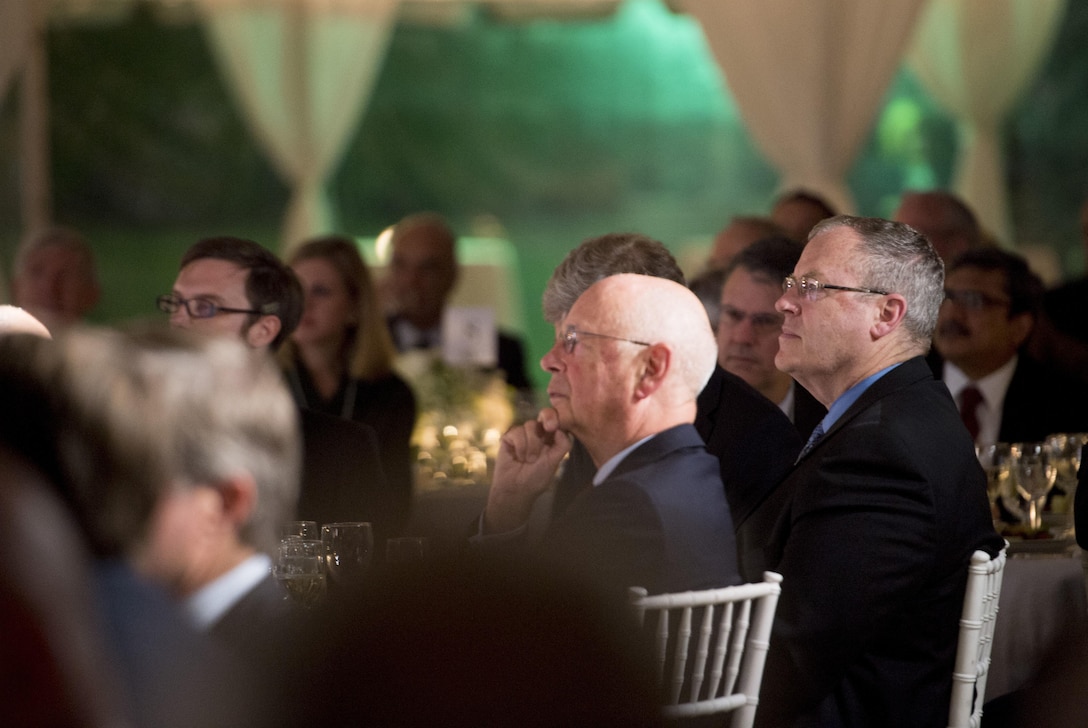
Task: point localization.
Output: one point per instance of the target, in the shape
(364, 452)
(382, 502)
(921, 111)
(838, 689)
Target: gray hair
(899, 259)
(150, 408)
(604, 256)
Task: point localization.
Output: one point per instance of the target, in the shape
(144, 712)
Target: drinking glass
(302, 529)
(1065, 449)
(1034, 474)
(300, 569)
(349, 548)
(996, 460)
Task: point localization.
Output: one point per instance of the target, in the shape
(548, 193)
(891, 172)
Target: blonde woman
(339, 359)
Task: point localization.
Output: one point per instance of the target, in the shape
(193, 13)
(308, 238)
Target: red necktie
(970, 399)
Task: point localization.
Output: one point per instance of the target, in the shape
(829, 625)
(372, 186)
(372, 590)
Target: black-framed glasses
(809, 288)
(762, 323)
(974, 300)
(570, 338)
(202, 308)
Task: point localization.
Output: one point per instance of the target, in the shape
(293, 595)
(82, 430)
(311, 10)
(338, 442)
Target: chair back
(976, 638)
(720, 667)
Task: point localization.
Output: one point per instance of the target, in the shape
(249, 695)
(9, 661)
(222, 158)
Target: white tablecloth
(1042, 604)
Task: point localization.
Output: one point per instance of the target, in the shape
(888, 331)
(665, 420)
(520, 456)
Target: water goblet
(1034, 475)
(300, 569)
(349, 548)
(996, 461)
(301, 529)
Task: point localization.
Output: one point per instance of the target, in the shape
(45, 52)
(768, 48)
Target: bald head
(14, 320)
(657, 311)
(946, 221)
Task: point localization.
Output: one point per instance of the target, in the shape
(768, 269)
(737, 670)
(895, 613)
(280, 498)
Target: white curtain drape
(808, 78)
(15, 25)
(976, 57)
(302, 71)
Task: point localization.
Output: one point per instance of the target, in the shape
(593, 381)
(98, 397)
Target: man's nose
(551, 362)
(180, 319)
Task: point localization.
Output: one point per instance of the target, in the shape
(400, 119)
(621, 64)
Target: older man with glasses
(630, 358)
(992, 303)
(873, 529)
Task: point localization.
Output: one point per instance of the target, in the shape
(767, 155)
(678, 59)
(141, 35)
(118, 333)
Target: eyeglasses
(809, 288)
(203, 308)
(973, 300)
(570, 339)
(762, 323)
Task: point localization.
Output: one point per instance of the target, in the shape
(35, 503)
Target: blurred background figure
(14, 320)
(423, 271)
(749, 327)
(992, 302)
(54, 277)
(797, 211)
(945, 219)
(707, 287)
(339, 360)
(742, 231)
(1065, 304)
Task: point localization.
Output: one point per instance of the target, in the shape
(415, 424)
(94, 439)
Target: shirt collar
(847, 398)
(209, 603)
(993, 386)
(613, 462)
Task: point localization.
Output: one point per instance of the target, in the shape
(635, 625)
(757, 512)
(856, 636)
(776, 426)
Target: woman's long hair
(367, 350)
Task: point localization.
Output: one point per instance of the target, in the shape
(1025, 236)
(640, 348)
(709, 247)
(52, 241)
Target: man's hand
(528, 458)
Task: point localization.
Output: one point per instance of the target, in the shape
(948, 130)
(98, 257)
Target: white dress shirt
(208, 604)
(993, 387)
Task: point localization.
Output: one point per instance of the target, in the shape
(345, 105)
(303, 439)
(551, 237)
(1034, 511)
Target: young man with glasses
(748, 328)
(992, 303)
(873, 529)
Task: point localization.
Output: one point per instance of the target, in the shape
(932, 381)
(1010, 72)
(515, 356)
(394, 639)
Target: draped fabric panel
(302, 74)
(808, 78)
(976, 57)
(15, 37)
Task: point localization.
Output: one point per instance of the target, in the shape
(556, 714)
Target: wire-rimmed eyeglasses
(809, 288)
(762, 322)
(203, 308)
(974, 300)
(570, 338)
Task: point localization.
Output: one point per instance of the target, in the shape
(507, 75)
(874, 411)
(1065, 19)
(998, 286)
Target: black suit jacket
(660, 521)
(807, 411)
(342, 477)
(873, 531)
(755, 444)
(1040, 401)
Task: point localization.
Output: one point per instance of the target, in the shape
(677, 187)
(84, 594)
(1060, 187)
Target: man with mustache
(992, 301)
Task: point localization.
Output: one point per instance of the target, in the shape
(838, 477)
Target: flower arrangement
(463, 413)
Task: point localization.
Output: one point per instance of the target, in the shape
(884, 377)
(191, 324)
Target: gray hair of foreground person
(149, 409)
(898, 259)
(600, 257)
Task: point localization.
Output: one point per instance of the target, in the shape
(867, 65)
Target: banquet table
(1042, 606)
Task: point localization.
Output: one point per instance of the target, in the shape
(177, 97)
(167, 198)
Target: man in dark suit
(873, 529)
(752, 439)
(423, 271)
(629, 360)
(992, 303)
(749, 327)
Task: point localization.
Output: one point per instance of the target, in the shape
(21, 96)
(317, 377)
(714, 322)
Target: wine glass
(301, 529)
(996, 460)
(349, 548)
(300, 570)
(1034, 474)
(1065, 449)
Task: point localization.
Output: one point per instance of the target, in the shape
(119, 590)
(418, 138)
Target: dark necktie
(970, 399)
(812, 440)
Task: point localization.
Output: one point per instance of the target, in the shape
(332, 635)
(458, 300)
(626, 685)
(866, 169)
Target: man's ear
(263, 331)
(1020, 326)
(238, 494)
(655, 367)
(892, 312)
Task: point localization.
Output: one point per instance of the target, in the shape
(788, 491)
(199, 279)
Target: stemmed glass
(349, 548)
(300, 570)
(1065, 449)
(1034, 475)
(996, 460)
